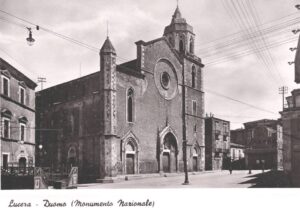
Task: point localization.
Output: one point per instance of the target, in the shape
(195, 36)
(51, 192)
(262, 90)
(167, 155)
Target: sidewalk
(132, 177)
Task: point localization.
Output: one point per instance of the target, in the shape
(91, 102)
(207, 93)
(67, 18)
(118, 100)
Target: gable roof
(4, 65)
(157, 40)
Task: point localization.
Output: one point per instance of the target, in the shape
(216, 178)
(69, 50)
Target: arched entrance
(195, 159)
(130, 152)
(169, 153)
(130, 158)
(22, 164)
(72, 160)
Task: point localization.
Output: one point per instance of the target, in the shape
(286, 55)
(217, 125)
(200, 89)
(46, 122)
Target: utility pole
(184, 141)
(283, 90)
(41, 80)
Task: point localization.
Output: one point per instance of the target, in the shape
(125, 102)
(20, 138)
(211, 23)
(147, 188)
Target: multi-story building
(131, 118)
(217, 143)
(263, 144)
(238, 136)
(236, 151)
(291, 136)
(237, 148)
(17, 106)
(291, 129)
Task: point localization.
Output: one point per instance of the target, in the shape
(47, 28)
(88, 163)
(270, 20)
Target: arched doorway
(72, 161)
(169, 153)
(130, 154)
(130, 158)
(195, 159)
(22, 164)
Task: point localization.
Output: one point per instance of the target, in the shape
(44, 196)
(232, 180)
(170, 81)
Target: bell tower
(109, 142)
(180, 34)
(108, 71)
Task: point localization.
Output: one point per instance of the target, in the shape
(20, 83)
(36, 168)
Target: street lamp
(186, 178)
(293, 49)
(30, 39)
(263, 165)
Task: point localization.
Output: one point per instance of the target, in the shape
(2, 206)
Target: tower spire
(107, 32)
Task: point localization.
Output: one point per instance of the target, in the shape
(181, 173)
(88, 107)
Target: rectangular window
(195, 128)
(6, 125)
(225, 126)
(22, 132)
(194, 107)
(22, 95)
(5, 86)
(217, 126)
(5, 161)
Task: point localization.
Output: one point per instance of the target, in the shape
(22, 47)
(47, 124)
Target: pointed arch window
(171, 40)
(193, 77)
(130, 104)
(181, 44)
(191, 45)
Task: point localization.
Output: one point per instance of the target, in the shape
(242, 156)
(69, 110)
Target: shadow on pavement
(270, 179)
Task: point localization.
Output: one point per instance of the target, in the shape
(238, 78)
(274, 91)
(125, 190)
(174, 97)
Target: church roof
(177, 17)
(107, 47)
(178, 23)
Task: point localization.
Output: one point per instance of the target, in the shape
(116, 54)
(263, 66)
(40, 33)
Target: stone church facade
(130, 118)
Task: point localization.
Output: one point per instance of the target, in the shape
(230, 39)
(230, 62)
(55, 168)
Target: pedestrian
(230, 168)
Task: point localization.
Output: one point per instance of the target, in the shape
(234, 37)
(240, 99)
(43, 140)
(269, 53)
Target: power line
(256, 19)
(255, 34)
(242, 16)
(247, 52)
(17, 61)
(221, 95)
(11, 22)
(92, 48)
(239, 101)
(240, 32)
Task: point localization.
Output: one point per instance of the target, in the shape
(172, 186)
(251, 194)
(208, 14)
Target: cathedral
(131, 118)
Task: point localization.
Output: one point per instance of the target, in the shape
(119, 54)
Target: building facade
(17, 105)
(291, 135)
(291, 129)
(130, 118)
(263, 144)
(238, 136)
(217, 143)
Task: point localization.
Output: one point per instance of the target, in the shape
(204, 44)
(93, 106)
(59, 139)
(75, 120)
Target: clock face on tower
(166, 79)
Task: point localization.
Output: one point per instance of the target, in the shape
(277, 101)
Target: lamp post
(186, 179)
(30, 39)
(40, 154)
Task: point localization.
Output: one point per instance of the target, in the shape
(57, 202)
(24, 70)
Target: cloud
(130, 20)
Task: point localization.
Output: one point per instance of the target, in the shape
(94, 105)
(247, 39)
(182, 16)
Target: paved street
(217, 179)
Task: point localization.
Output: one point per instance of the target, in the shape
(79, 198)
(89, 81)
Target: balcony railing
(17, 171)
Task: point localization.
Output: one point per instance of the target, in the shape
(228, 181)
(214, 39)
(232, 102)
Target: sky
(222, 29)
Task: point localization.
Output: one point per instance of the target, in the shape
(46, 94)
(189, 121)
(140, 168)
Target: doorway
(195, 163)
(22, 165)
(129, 163)
(166, 162)
(169, 156)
